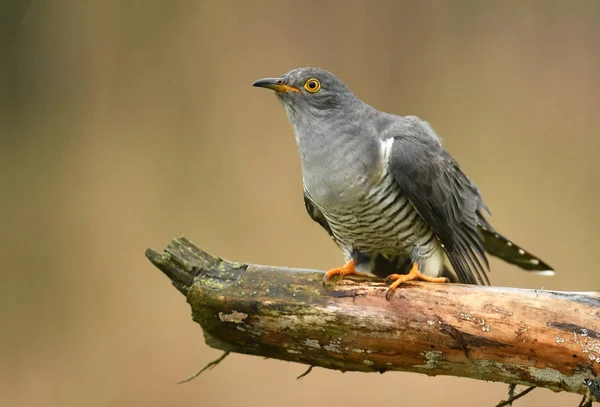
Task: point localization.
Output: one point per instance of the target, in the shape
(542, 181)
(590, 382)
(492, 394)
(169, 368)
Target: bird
(388, 193)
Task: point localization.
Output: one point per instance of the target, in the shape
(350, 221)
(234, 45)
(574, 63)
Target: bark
(531, 337)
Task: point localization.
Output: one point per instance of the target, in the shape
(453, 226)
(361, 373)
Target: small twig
(208, 366)
(585, 402)
(518, 396)
(310, 368)
(511, 393)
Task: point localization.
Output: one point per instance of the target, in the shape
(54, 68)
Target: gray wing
(316, 214)
(444, 197)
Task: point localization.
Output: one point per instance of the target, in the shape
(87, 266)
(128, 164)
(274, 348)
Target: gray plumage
(384, 187)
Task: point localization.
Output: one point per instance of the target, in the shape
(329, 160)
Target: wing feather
(443, 196)
(316, 214)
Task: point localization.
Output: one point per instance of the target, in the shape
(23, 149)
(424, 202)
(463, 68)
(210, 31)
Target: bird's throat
(333, 171)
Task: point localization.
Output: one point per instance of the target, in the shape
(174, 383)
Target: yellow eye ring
(312, 85)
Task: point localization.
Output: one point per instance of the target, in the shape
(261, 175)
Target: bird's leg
(413, 274)
(346, 269)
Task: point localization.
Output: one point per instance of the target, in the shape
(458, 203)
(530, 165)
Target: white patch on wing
(386, 150)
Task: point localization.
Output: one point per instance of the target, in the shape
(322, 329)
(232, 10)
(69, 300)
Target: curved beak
(275, 84)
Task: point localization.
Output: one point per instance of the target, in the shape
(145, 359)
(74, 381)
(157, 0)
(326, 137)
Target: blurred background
(124, 124)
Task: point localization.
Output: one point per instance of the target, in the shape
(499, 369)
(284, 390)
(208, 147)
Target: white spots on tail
(532, 260)
(548, 273)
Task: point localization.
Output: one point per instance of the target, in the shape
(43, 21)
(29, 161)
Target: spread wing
(444, 197)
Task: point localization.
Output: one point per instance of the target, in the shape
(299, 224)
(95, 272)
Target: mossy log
(517, 336)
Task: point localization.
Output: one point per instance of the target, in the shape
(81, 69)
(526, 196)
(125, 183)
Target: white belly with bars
(385, 222)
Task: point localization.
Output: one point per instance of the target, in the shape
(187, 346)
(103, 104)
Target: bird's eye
(312, 85)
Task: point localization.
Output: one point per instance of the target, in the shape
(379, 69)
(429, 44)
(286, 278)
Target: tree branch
(528, 337)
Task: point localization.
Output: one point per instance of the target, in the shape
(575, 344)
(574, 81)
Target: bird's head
(309, 91)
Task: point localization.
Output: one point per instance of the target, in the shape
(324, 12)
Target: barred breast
(382, 222)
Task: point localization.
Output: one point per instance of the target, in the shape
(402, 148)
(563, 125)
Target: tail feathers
(499, 246)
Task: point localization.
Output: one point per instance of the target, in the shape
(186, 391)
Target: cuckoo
(392, 198)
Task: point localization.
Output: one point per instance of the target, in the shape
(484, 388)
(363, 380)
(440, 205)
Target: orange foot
(413, 274)
(346, 269)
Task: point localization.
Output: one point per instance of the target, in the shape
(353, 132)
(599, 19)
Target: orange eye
(312, 85)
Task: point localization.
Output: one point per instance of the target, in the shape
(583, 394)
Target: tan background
(126, 123)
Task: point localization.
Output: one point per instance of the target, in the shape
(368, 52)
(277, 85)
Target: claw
(345, 270)
(413, 274)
